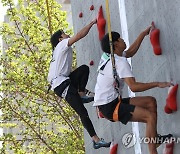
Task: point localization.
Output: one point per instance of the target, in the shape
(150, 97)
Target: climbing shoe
(86, 99)
(162, 138)
(101, 143)
(89, 93)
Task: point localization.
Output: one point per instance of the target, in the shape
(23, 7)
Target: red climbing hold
(154, 38)
(92, 7)
(101, 23)
(91, 63)
(171, 101)
(99, 113)
(80, 15)
(113, 148)
(169, 148)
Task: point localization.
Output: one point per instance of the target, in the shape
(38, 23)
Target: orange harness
(115, 113)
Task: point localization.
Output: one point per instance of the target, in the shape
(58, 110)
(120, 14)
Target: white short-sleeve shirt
(61, 64)
(104, 89)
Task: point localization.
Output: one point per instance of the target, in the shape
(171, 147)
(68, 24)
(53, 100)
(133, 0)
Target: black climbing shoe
(86, 99)
(89, 93)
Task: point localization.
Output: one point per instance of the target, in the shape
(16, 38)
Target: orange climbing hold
(154, 38)
(113, 148)
(171, 101)
(169, 148)
(101, 23)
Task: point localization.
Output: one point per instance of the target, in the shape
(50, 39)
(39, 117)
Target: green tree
(34, 122)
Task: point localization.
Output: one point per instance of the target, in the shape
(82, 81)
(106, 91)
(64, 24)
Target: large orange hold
(154, 38)
(171, 101)
(113, 148)
(101, 23)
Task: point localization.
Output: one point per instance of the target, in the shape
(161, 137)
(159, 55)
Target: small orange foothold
(80, 15)
(169, 148)
(91, 63)
(92, 7)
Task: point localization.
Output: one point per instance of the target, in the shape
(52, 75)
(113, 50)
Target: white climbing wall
(146, 66)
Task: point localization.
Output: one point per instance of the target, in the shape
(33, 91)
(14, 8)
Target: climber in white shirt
(108, 99)
(70, 84)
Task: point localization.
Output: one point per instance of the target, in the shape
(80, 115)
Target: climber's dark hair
(105, 41)
(55, 38)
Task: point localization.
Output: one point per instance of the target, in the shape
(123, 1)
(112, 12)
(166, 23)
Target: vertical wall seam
(124, 29)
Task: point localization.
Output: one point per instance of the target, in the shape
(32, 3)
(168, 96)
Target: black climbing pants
(78, 78)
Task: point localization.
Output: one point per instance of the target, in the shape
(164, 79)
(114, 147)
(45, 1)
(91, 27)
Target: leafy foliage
(33, 121)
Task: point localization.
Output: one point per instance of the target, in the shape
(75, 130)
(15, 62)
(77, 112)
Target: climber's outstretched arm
(82, 33)
(135, 46)
(139, 87)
